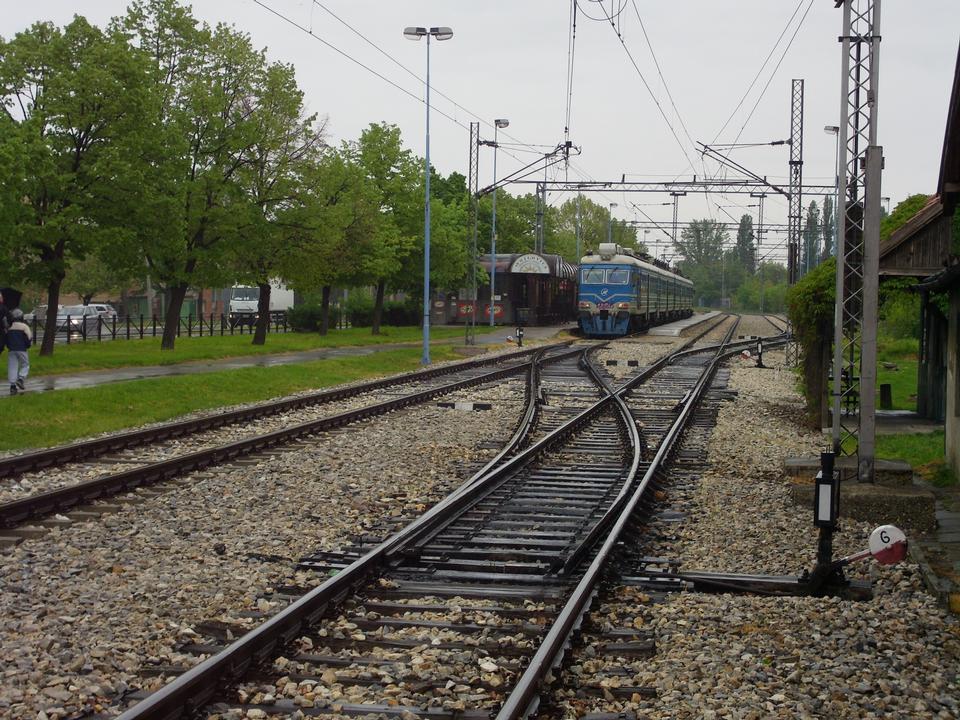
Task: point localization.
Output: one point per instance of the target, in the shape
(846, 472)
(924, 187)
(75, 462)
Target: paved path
(92, 378)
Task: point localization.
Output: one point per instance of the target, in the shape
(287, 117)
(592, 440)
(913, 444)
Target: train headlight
(623, 306)
(584, 305)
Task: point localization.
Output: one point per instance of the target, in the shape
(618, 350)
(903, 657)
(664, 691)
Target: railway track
(15, 465)
(421, 387)
(467, 611)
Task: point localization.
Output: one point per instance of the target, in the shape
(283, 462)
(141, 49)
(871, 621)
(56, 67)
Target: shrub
(305, 318)
(810, 306)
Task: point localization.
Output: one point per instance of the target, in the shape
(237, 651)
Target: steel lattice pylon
(796, 198)
(854, 362)
(472, 186)
(796, 179)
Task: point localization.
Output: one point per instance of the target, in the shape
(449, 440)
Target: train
(620, 293)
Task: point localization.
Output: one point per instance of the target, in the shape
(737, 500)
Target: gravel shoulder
(729, 656)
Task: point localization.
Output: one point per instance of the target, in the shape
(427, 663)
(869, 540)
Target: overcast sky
(508, 58)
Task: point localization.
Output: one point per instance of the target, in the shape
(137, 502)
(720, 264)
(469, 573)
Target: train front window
(591, 276)
(618, 277)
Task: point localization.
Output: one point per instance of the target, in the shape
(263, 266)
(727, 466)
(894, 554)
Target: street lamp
(610, 222)
(415, 33)
(497, 124)
(835, 130)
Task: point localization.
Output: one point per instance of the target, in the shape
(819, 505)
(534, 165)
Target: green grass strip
(36, 420)
(924, 451)
(93, 355)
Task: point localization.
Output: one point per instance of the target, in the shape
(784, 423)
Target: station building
(927, 248)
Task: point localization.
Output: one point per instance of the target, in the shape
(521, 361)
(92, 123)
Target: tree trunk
(50, 327)
(325, 310)
(378, 308)
(171, 320)
(816, 361)
(263, 314)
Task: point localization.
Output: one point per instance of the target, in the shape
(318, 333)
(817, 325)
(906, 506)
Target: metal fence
(83, 329)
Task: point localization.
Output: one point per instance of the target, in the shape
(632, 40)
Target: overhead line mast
(858, 250)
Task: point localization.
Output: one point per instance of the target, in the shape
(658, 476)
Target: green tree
(92, 275)
(74, 104)
(828, 227)
(205, 80)
(285, 143)
(395, 176)
(810, 250)
(746, 250)
(701, 242)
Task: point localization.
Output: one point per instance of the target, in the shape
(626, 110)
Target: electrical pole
(579, 252)
(858, 240)
(472, 184)
(676, 203)
(760, 198)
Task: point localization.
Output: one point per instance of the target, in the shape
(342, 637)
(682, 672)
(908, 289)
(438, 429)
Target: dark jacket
(19, 337)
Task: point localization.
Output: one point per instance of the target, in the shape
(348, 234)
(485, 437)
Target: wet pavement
(92, 378)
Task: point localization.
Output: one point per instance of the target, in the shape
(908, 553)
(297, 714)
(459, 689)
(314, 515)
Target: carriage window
(618, 277)
(590, 276)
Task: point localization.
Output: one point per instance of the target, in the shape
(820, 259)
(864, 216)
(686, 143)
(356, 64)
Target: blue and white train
(622, 294)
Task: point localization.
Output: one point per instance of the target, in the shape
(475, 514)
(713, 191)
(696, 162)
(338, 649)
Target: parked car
(77, 318)
(105, 311)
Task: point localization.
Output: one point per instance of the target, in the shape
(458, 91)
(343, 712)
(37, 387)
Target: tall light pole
(610, 222)
(835, 130)
(415, 33)
(497, 124)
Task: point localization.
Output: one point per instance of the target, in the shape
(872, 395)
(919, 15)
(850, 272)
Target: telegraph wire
(774, 73)
(647, 85)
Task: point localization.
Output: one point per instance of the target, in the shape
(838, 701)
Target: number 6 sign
(888, 544)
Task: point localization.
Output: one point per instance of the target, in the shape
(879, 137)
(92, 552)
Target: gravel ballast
(733, 656)
(84, 608)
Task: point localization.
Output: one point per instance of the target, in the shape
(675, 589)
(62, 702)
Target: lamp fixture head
(501, 122)
(831, 129)
(414, 33)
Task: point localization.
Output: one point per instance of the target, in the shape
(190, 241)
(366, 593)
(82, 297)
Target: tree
(334, 228)
(828, 227)
(746, 250)
(395, 175)
(205, 79)
(285, 143)
(74, 105)
(701, 242)
(91, 275)
(810, 238)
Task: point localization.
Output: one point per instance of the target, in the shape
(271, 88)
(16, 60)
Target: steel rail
(525, 696)
(60, 499)
(199, 684)
(41, 459)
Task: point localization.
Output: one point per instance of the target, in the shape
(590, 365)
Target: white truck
(244, 302)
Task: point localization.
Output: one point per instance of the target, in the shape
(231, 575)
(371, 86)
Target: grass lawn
(924, 451)
(46, 419)
(903, 380)
(93, 355)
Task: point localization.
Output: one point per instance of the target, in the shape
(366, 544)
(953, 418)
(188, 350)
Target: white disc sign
(888, 544)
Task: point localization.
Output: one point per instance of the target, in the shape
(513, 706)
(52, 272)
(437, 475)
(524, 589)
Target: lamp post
(835, 130)
(497, 124)
(610, 222)
(415, 33)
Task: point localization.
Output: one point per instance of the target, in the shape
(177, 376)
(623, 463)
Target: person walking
(19, 339)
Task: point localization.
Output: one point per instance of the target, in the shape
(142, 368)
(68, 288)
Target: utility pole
(579, 251)
(796, 179)
(760, 198)
(676, 203)
(470, 337)
(858, 237)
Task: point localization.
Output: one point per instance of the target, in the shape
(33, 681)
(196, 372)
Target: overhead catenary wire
(309, 31)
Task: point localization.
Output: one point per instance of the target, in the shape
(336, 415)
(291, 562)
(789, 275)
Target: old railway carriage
(621, 294)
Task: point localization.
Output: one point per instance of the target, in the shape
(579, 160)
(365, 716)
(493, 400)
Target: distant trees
(746, 250)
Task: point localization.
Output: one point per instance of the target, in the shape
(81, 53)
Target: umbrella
(11, 297)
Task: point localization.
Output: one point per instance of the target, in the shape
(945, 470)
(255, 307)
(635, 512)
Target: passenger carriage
(620, 293)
